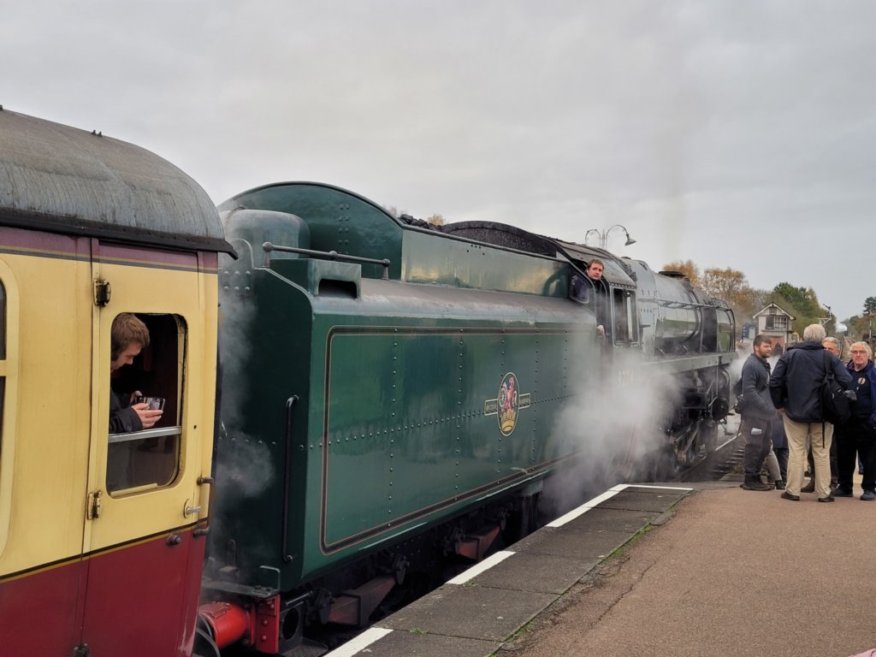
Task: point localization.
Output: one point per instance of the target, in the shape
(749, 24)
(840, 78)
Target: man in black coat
(129, 335)
(795, 387)
(757, 412)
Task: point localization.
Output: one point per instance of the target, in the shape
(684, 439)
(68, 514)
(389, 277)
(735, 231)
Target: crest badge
(508, 403)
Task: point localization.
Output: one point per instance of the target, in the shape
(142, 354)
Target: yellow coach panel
(46, 416)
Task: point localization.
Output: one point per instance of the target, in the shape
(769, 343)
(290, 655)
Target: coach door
(144, 497)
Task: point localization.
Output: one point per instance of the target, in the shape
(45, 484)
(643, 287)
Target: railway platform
(678, 570)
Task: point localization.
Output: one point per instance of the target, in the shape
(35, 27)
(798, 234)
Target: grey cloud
(733, 133)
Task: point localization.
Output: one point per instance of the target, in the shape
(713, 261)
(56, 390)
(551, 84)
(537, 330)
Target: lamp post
(825, 320)
(603, 235)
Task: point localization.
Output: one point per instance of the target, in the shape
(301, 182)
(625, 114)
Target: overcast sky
(731, 133)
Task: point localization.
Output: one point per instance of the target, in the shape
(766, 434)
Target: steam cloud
(618, 425)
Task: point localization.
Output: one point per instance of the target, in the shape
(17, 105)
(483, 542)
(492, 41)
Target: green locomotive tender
(382, 378)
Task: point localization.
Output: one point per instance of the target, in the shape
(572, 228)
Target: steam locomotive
(388, 391)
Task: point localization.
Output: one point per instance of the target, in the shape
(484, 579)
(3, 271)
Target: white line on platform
(358, 643)
(599, 499)
(657, 487)
(584, 508)
(477, 569)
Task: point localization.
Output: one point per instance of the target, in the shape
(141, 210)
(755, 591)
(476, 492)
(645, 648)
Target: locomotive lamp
(603, 235)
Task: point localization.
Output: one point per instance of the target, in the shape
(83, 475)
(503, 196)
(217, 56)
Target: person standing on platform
(780, 447)
(795, 387)
(757, 412)
(858, 435)
(834, 347)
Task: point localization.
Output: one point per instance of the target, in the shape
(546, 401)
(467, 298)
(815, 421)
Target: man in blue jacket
(858, 435)
(757, 412)
(795, 387)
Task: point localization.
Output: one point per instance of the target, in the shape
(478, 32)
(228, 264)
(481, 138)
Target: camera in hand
(153, 403)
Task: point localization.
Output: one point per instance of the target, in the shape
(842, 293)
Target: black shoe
(841, 492)
(780, 485)
(790, 496)
(756, 484)
(826, 499)
(868, 496)
(809, 488)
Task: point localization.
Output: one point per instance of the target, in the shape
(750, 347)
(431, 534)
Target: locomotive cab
(613, 296)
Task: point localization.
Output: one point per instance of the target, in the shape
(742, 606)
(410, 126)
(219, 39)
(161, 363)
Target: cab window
(146, 378)
(624, 319)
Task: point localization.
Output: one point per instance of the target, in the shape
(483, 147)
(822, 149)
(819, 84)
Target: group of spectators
(785, 406)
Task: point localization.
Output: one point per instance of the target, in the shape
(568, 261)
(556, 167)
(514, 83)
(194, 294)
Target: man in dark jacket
(757, 412)
(128, 337)
(795, 387)
(858, 435)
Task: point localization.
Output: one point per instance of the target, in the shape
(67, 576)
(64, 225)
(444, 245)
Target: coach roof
(62, 179)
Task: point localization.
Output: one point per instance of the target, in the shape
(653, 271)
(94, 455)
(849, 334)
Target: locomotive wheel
(204, 644)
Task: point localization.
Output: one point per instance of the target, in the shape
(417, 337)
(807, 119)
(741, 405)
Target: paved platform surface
(700, 571)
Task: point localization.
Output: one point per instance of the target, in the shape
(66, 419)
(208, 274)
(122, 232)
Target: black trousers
(856, 438)
(757, 444)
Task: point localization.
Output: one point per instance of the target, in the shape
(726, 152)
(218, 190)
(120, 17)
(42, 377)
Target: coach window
(150, 458)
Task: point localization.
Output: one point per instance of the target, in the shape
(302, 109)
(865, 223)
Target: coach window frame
(9, 314)
(150, 373)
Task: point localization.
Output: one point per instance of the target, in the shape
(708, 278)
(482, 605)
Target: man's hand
(148, 418)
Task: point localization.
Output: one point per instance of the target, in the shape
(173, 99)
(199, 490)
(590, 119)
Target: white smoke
(616, 427)
(236, 315)
(245, 466)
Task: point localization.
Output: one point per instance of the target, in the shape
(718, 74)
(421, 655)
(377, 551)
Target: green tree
(802, 302)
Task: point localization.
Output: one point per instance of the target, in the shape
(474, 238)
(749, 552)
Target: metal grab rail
(287, 479)
(327, 255)
(144, 434)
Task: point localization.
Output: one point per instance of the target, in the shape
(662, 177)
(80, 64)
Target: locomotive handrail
(287, 475)
(666, 303)
(144, 434)
(328, 255)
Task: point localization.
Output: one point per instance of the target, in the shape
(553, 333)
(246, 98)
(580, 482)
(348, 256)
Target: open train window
(141, 458)
(623, 316)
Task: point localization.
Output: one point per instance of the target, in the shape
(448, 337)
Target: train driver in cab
(129, 337)
(581, 289)
(594, 269)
